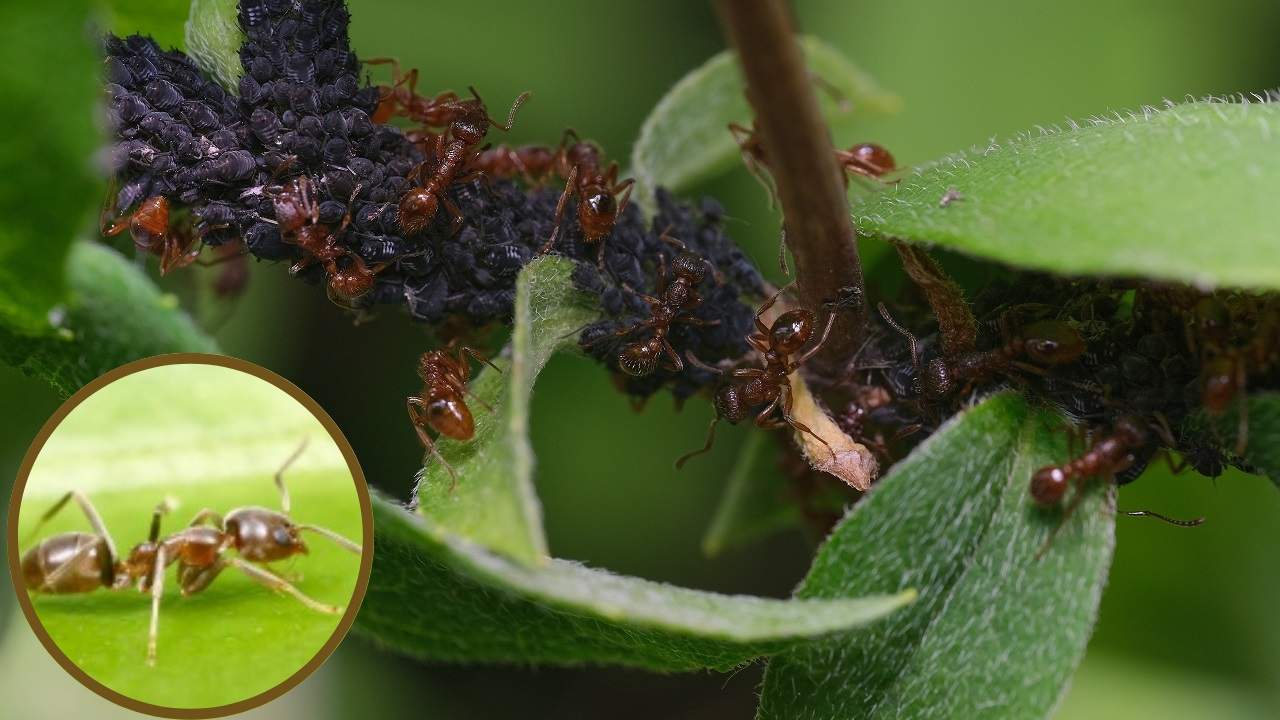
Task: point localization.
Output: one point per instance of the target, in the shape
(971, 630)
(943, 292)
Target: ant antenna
(911, 339)
(1172, 521)
(711, 438)
(284, 492)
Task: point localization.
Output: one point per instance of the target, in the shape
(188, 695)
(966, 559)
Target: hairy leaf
(437, 596)
(494, 502)
(214, 37)
(1261, 432)
(996, 631)
(128, 447)
(113, 314)
(50, 79)
(1183, 193)
(685, 139)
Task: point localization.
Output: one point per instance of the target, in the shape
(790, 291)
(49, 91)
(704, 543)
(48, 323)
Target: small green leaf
(213, 40)
(755, 502)
(50, 78)
(128, 447)
(685, 139)
(159, 19)
(1186, 193)
(113, 314)
(436, 596)
(1262, 438)
(494, 502)
(997, 631)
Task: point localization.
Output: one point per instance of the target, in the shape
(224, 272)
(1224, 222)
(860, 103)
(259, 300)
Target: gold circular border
(366, 512)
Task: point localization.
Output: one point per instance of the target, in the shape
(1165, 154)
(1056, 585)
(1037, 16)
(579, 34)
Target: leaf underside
(1185, 193)
(996, 632)
(437, 596)
(213, 39)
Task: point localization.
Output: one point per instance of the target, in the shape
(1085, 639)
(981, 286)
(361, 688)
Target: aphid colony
(306, 166)
(78, 562)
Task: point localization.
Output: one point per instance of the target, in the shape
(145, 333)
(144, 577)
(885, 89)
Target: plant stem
(809, 181)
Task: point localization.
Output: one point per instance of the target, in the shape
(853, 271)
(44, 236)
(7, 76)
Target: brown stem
(810, 183)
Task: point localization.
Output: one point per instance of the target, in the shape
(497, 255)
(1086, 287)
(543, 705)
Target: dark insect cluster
(303, 166)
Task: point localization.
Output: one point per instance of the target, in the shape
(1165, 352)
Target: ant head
(1048, 485)
(601, 203)
(471, 127)
(729, 403)
(417, 208)
(640, 359)
(791, 331)
(1051, 342)
(288, 540)
(691, 266)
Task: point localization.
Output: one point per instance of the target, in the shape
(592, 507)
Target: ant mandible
(1047, 342)
(676, 299)
(441, 406)
(447, 154)
(149, 228)
(597, 193)
(770, 386)
(1106, 458)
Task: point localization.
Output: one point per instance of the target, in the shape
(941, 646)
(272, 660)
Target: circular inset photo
(190, 536)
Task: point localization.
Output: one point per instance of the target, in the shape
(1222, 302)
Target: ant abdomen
(730, 404)
(640, 359)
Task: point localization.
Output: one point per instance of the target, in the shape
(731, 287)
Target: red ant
(1225, 369)
(441, 405)
(534, 163)
(1106, 458)
(397, 99)
(149, 227)
(770, 386)
(79, 562)
(448, 153)
(867, 160)
(597, 192)
(675, 300)
(298, 217)
(1047, 342)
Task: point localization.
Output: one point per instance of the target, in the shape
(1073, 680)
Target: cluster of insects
(80, 562)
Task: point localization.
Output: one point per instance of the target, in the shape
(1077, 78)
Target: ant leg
(696, 322)
(90, 512)
(284, 492)
(787, 399)
(207, 515)
(666, 237)
(569, 185)
(414, 405)
(671, 353)
(477, 356)
(693, 360)
(625, 187)
(711, 438)
(1172, 521)
(340, 540)
(782, 253)
(764, 329)
(279, 584)
(831, 319)
(157, 591)
(192, 580)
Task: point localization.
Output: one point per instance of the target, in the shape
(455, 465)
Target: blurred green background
(1188, 627)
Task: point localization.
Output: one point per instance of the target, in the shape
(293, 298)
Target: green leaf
(1186, 193)
(685, 139)
(114, 314)
(213, 40)
(494, 502)
(996, 631)
(1262, 439)
(128, 447)
(755, 502)
(160, 19)
(436, 596)
(50, 79)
